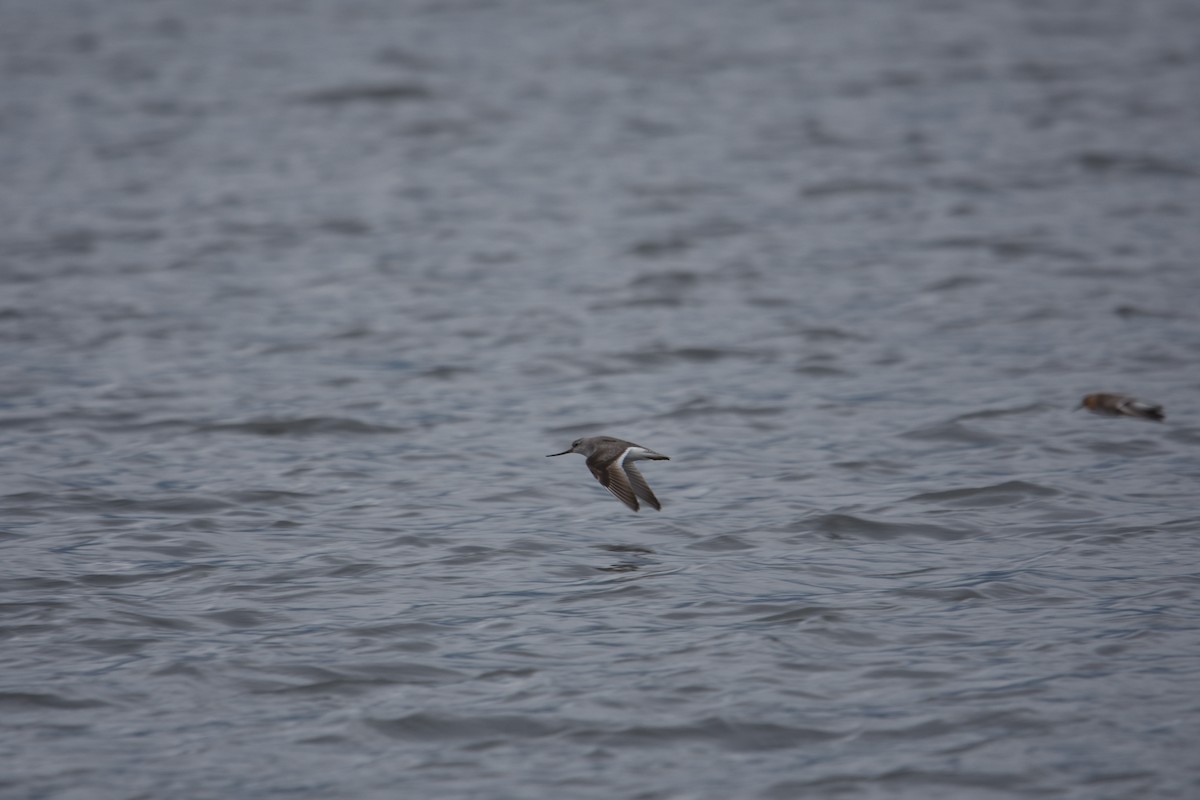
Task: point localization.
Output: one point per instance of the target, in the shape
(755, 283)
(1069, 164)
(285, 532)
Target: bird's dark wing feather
(640, 487)
(612, 477)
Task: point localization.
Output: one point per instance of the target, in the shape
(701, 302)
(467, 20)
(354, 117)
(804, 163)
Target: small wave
(700, 408)
(1007, 493)
(1133, 448)
(1136, 164)
(424, 727)
(1007, 247)
(300, 426)
(850, 186)
(955, 282)
(17, 701)
(733, 735)
(786, 616)
(239, 618)
(36, 503)
(830, 333)
(988, 413)
(695, 355)
(262, 497)
(721, 543)
(848, 526)
(951, 432)
(376, 93)
(658, 248)
(819, 370)
(114, 579)
(672, 280)
(1130, 311)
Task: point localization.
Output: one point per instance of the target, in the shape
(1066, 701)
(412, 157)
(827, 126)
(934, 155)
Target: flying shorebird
(611, 461)
(1119, 405)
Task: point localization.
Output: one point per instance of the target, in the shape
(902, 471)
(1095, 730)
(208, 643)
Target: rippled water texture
(297, 295)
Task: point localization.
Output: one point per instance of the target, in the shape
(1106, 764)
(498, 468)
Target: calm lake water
(295, 297)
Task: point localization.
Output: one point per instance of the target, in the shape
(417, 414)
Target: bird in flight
(611, 462)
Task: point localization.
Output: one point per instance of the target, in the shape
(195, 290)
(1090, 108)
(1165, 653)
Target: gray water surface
(295, 297)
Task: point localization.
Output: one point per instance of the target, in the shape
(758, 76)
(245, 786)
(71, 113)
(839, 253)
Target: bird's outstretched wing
(640, 487)
(613, 477)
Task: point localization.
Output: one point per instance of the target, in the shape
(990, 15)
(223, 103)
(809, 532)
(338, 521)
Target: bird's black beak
(563, 453)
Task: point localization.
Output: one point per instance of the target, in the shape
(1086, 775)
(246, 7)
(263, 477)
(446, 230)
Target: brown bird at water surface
(1119, 405)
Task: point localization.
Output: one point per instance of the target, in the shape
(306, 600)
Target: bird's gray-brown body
(611, 462)
(1119, 405)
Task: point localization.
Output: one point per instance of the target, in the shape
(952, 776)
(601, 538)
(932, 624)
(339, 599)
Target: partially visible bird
(1119, 405)
(611, 462)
